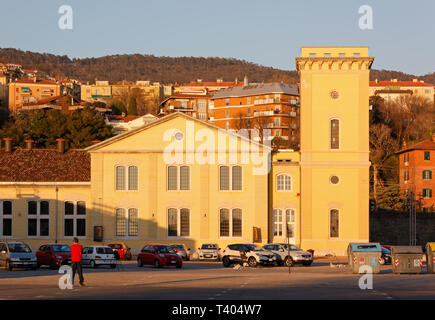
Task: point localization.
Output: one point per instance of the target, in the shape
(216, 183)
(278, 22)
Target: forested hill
(163, 69)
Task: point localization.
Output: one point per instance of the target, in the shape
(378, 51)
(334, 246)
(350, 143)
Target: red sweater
(76, 253)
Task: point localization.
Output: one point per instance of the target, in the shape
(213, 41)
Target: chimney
(8, 144)
(60, 145)
(29, 144)
(245, 81)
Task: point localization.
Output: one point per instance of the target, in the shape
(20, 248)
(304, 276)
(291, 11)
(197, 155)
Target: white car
(250, 253)
(94, 256)
(297, 255)
(209, 251)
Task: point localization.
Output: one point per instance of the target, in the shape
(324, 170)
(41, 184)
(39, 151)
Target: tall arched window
(335, 134)
(334, 223)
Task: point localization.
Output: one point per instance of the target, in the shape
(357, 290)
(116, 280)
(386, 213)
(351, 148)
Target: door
(284, 225)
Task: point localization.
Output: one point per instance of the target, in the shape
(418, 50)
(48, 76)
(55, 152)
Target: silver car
(297, 255)
(17, 255)
(209, 251)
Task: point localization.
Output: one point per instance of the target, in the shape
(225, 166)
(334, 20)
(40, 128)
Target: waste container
(430, 257)
(364, 254)
(406, 259)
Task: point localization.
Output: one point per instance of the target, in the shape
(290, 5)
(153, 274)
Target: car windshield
(209, 246)
(253, 247)
(177, 246)
(61, 248)
(115, 246)
(164, 249)
(104, 250)
(19, 247)
(292, 247)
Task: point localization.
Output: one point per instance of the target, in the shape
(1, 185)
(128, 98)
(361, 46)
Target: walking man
(76, 261)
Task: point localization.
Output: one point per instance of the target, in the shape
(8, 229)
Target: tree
(132, 107)
(390, 198)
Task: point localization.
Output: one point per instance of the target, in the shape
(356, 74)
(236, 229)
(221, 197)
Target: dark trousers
(77, 267)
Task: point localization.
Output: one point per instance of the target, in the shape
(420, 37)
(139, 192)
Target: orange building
(194, 105)
(26, 91)
(273, 106)
(416, 165)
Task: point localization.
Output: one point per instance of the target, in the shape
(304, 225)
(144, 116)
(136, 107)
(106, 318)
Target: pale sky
(269, 32)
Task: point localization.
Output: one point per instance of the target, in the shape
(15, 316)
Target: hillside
(163, 69)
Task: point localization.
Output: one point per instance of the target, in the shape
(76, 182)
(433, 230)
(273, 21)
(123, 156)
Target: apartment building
(26, 91)
(272, 106)
(209, 87)
(3, 89)
(416, 164)
(194, 105)
(391, 90)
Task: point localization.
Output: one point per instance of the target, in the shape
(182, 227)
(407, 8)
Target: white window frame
(178, 188)
(283, 223)
(277, 184)
(127, 223)
(75, 217)
(178, 236)
(7, 216)
(230, 180)
(230, 224)
(38, 218)
(126, 179)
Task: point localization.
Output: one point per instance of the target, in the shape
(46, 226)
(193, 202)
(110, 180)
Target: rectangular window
(427, 155)
(184, 178)
(120, 178)
(227, 102)
(75, 219)
(6, 218)
(132, 178)
(38, 222)
(178, 178)
(132, 222)
(120, 223)
(237, 178)
(224, 178)
(427, 193)
(335, 134)
(172, 222)
(427, 174)
(224, 223)
(237, 222)
(333, 223)
(234, 180)
(172, 178)
(184, 222)
(277, 223)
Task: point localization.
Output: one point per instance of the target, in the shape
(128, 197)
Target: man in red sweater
(76, 261)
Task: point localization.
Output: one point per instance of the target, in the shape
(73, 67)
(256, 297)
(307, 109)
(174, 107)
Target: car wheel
(92, 264)
(156, 264)
(226, 262)
(139, 262)
(382, 262)
(252, 262)
(52, 266)
(179, 266)
(288, 262)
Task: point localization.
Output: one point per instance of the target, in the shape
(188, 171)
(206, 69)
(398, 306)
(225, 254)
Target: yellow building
(391, 90)
(183, 180)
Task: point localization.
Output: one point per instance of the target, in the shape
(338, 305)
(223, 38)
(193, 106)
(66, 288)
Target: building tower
(334, 93)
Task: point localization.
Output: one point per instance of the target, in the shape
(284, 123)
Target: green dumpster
(406, 259)
(364, 254)
(430, 257)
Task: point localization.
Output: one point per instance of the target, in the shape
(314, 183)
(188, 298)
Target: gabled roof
(162, 120)
(45, 165)
(428, 144)
(257, 89)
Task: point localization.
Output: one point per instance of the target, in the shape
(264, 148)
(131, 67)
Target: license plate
(207, 255)
(173, 261)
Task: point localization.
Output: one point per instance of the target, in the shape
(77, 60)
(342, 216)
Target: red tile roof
(428, 144)
(29, 81)
(399, 84)
(210, 84)
(187, 95)
(45, 165)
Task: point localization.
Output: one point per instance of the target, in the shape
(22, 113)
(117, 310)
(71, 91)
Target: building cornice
(307, 63)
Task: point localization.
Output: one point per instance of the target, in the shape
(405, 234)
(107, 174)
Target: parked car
(385, 256)
(297, 255)
(209, 251)
(181, 250)
(250, 253)
(158, 256)
(53, 255)
(17, 254)
(124, 252)
(95, 256)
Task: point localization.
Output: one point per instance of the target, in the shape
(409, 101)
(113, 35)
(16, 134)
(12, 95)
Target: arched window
(283, 182)
(335, 134)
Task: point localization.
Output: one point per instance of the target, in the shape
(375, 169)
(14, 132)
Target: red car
(122, 249)
(158, 256)
(53, 255)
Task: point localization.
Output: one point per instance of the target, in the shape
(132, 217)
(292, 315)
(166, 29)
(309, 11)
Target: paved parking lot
(211, 281)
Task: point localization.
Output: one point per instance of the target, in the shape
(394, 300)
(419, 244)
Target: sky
(266, 32)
